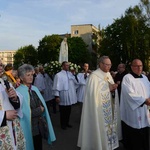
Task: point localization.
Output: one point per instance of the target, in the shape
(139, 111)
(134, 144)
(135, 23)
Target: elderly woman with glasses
(34, 108)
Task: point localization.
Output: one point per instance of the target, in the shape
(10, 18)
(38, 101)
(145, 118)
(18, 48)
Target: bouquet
(74, 67)
(53, 67)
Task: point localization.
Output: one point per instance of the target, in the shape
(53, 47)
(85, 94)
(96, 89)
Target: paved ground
(66, 139)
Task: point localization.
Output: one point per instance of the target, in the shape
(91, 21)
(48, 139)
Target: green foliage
(127, 38)
(48, 49)
(26, 54)
(77, 50)
(53, 67)
(75, 67)
(145, 7)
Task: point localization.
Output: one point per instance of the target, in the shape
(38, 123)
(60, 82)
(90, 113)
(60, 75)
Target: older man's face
(105, 65)
(137, 67)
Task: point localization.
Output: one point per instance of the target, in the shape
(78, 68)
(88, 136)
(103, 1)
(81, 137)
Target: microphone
(6, 82)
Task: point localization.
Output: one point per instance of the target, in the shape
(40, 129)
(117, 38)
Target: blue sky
(25, 22)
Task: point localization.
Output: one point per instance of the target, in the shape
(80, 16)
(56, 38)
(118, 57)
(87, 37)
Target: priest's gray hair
(102, 58)
(22, 70)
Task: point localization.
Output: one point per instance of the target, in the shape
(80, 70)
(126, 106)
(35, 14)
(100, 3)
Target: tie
(85, 76)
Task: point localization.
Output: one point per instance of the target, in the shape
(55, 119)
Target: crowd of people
(114, 106)
(24, 116)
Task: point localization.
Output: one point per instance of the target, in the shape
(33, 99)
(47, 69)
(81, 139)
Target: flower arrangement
(74, 67)
(54, 67)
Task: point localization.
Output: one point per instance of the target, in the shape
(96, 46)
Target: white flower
(71, 68)
(46, 65)
(79, 66)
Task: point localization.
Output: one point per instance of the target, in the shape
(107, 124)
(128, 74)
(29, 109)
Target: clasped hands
(147, 102)
(113, 87)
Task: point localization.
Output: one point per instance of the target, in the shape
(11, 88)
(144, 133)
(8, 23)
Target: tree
(26, 54)
(127, 38)
(48, 49)
(145, 7)
(77, 51)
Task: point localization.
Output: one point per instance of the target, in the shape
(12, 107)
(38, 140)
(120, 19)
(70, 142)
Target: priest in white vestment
(134, 107)
(82, 77)
(47, 91)
(11, 135)
(39, 82)
(100, 122)
(62, 90)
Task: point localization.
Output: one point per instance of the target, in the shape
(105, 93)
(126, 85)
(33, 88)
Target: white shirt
(133, 94)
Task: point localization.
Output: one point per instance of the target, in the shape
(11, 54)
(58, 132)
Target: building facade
(7, 56)
(87, 32)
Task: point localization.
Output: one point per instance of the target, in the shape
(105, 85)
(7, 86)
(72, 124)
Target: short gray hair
(22, 70)
(102, 58)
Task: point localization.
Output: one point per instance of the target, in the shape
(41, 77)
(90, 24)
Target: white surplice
(39, 82)
(8, 129)
(133, 94)
(63, 88)
(100, 126)
(82, 85)
(73, 84)
(48, 88)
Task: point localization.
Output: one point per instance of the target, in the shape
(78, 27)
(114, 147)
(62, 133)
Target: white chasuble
(100, 122)
(11, 135)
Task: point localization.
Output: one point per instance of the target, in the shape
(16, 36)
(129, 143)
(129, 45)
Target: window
(76, 32)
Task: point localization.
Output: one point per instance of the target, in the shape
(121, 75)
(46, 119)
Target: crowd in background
(35, 91)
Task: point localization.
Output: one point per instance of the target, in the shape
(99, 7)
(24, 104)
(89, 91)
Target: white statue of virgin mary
(63, 54)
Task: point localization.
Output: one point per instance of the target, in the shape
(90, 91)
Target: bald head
(137, 66)
(121, 68)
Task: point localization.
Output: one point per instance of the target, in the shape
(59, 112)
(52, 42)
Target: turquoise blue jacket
(26, 120)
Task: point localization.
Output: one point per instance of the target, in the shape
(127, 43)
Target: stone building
(88, 32)
(7, 56)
